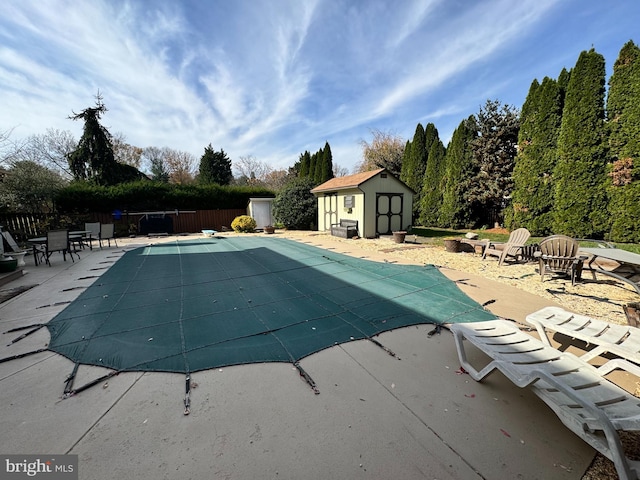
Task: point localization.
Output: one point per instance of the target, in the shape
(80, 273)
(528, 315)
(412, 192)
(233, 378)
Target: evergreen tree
(413, 174)
(305, 164)
(94, 154)
(430, 137)
(318, 168)
(313, 160)
(494, 152)
(157, 165)
(93, 159)
(215, 167)
(580, 207)
(406, 159)
(540, 121)
(295, 206)
(455, 211)
(432, 188)
(623, 113)
(563, 83)
(412, 171)
(327, 163)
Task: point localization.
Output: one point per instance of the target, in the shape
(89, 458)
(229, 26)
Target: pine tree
(580, 207)
(215, 167)
(623, 112)
(93, 159)
(494, 152)
(432, 188)
(455, 211)
(540, 120)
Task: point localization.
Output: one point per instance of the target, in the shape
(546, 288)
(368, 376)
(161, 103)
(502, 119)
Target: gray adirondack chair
(512, 248)
(559, 255)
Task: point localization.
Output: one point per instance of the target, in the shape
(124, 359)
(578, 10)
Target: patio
(377, 416)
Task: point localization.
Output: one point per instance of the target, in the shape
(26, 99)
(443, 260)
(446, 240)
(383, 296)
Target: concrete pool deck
(415, 416)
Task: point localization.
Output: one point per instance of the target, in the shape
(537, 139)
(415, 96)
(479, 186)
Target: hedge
(81, 197)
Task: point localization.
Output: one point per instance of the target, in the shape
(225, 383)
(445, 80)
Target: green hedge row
(80, 197)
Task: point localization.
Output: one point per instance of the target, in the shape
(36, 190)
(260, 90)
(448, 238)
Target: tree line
(567, 163)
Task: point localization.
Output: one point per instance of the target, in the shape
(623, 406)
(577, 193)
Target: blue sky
(274, 78)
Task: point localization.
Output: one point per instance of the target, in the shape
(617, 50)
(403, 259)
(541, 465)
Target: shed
(261, 210)
(379, 201)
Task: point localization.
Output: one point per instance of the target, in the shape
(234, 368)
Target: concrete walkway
(376, 416)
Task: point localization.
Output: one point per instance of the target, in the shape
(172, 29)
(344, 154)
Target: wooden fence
(23, 226)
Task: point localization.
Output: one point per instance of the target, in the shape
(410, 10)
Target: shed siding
(396, 201)
(331, 208)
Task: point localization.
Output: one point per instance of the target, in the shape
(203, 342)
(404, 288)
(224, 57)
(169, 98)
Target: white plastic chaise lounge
(587, 403)
(620, 340)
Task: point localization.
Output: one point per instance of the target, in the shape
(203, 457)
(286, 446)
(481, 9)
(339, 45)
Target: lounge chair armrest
(622, 364)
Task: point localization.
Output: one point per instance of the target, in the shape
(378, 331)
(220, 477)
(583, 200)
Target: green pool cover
(197, 304)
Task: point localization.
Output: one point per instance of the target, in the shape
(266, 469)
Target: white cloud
(269, 79)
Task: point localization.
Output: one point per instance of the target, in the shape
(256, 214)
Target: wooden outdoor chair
(559, 255)
(512, 248)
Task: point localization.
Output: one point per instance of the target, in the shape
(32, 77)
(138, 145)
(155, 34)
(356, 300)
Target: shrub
(243, 224)
(295, 206)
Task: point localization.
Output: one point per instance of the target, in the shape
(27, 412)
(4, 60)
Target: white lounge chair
(587, 403)
(620, 340)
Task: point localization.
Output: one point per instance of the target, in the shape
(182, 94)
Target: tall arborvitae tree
(494, 152)
(305, 164)
(406, 158)
(318, 169)
(623, 113)
(412, 170)
(563, 83)
(215, 167)
(580, 207)
(540, 121)
(413, 173)
(455, 211)
(313, 160)
(432, 187)
(327, 164)
(430, 137)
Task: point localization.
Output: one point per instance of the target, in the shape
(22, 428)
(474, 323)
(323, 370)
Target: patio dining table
(628, 269)
(75, 236)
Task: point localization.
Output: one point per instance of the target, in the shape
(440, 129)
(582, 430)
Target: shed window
(349, 201)
(383, 175)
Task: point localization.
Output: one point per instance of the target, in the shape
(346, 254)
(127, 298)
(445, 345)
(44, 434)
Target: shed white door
(261, 212)
(330, 210)
(388, 212)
